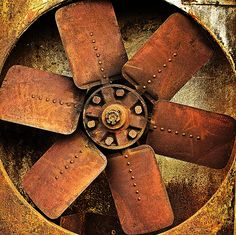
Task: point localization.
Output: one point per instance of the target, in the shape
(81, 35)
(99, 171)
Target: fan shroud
(172, 163)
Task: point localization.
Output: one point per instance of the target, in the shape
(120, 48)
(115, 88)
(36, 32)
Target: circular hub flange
(115, 116)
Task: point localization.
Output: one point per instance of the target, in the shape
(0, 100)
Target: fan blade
(169, 58)
(92, 41)
(75, 223)
(138, 191)
(63, 173)
(40, 99)
(191, 134)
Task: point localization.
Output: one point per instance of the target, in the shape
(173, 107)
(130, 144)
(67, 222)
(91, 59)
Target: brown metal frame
(20, 209)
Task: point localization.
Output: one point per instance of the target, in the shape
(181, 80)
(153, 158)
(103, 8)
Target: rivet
(137, 192)
(134, 184)
(71, 161)
(56, 177)
(190, 136)
(91, 34)
(170, 60)
(76, 156)
(86, 146)
(54, 101)
(176, 132)
(40, 97)
(104, 76)
(61, 102)
(132, 134)
(95, 48)
(149, 81)
(93, 41)
(154, 75)
(138, 109)
(128, 163)
(198, 137)
(102, 69)
(144, 87)
(139, 198)
(120, 92)
(100, 62)
(169, 130)
(98, 55)
(164, 65)
(91, 124)
(66, 166)
(126, 156)
(61, 172)
(75, 105)
(130, 170)
(183, 134)
(96, 99)
(33, 96)
(68, 104)
(162, 128)
(132, 177)
(113, 232)
(159, 70)
(109, 140)
(175, 54)
(155, 127)
(80, 151)
(47, 99)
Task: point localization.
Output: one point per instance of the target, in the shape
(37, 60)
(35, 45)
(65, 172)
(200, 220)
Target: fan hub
(115, 116)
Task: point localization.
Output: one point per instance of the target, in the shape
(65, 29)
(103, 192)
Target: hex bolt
(109, 140)
(120, 92)
(96, 99)
(91, 124)
(132, 134)
(138, 109)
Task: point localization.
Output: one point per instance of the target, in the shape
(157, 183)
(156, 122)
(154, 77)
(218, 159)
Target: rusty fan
(116, 115)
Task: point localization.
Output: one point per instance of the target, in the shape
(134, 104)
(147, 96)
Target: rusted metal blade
(92, 41)
(191, 134)
(40, 99)
(63, 173)
(169, 58)
(74, 223)
(138, 191)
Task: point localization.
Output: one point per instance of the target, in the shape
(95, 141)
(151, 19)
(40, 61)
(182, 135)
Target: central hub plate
(115, 116)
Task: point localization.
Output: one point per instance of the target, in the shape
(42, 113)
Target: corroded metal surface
(40, 99)
(63, 173)
(169, 58)
(209, 17)
(92, 41)
(211, 89)
(138, 190)
(192, 135)
(119, 115)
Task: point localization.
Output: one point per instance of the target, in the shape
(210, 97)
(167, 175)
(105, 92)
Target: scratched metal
(189, 186)
(192, 135)
(40, 99)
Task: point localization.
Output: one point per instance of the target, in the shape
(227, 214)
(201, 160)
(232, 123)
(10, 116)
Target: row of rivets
(176, 132)
(67, 166)
(132, 176)
(54, 101)
(159, 70)
(98, 55)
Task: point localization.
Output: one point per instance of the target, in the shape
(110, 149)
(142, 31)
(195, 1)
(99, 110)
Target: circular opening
(189, 186)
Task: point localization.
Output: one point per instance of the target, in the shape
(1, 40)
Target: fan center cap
(114, 116)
